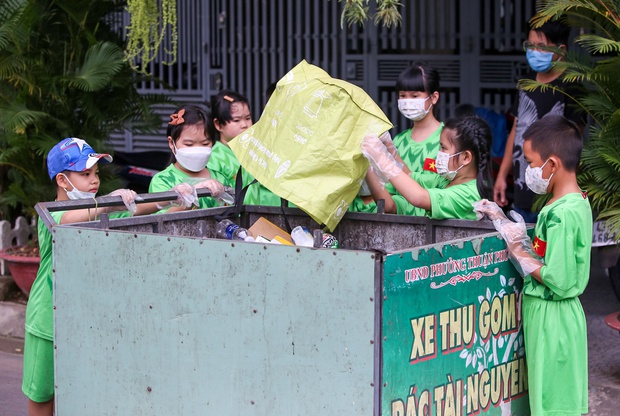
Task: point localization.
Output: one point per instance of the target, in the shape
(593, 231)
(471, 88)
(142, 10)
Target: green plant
(358, 11)
(63, 73)
(150, 21)
(599, 25)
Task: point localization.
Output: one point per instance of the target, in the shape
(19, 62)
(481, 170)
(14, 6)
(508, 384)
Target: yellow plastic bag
(306, 147)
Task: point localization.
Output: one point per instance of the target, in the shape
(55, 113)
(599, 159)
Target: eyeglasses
(528, 45)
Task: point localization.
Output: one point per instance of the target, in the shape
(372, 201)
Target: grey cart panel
(169, 325)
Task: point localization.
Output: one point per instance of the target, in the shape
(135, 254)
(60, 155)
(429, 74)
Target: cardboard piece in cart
(269, 230)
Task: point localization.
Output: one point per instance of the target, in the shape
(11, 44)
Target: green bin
(154, 316)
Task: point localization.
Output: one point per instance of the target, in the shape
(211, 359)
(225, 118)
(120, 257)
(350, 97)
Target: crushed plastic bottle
(302, 236)
(227, 197)
(229, 230)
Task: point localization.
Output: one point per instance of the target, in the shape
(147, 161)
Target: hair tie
(177, 118)
(229, 99)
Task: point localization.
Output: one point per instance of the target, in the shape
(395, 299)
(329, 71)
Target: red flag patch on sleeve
(539, 246)
(429, 164)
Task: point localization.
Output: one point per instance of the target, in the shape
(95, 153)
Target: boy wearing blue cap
(73, 166)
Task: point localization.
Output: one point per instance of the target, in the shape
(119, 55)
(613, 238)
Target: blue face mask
(540, 61)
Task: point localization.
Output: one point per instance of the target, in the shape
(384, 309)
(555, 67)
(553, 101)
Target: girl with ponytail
(463, 167)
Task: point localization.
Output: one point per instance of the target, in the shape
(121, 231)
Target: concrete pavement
(12, 400)
(603, 344)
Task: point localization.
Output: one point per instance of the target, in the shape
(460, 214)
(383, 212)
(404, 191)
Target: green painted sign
(452, 334)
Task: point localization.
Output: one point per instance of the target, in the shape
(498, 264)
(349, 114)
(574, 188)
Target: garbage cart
(410, 316)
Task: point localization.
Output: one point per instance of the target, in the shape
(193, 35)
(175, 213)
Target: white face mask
(193, 158)
(413, 108)
(535, 181)
(76, 193)
(441, 164)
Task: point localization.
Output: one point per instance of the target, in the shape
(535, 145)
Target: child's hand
(187, 195)
(386, 139)
(212, 185)
(382, 162)
(129, 197)
(490, 209)
(514, 233)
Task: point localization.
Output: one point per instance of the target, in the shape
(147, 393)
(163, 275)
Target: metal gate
(246, 45)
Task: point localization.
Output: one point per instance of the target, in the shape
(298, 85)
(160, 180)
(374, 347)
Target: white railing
(15, 236)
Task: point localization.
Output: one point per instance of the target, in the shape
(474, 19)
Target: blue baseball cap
(73, 154)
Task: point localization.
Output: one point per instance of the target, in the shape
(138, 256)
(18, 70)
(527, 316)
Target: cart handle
(45, 208)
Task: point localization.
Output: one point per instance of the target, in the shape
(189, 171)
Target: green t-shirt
(257, 194)
(415, 153)
(169, 178)
(40, 311)
(563, 238)
(454, 202)
(223, 165)
(358, 205)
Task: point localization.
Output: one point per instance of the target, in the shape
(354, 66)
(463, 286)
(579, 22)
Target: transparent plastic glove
(513, 232)
(525, 259)
(187, 195)
(212, 185)
(129, 197)
(386, 139)
(519, 245)
(484, 207)
(364, 189)
(490, 209)
(227, 197)
(478, 206)
(381, 161)
(521, 251)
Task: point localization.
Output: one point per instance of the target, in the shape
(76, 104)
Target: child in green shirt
(555, 266)
(190, 138)
(73, 166)
(418, 94)
(231, 117)
(462, 164)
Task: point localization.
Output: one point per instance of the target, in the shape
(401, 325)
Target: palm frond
(598, 44)
(599, 109)
(9, 65)
(600, 13)
(18, 118)
(10, 27)
(102, 62)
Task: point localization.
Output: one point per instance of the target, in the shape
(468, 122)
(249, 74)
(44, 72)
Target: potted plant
(63, 74)
(23, 264)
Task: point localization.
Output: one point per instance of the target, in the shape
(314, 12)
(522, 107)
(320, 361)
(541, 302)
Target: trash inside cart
(154, 315)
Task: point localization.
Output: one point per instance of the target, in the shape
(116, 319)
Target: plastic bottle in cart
(302, 236)
(231, 231)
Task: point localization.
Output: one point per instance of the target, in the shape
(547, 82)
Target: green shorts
(38, 379)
